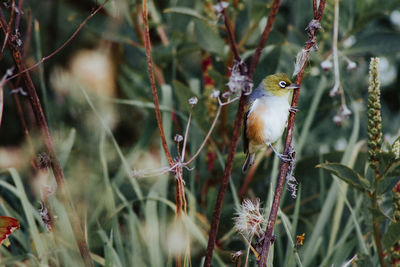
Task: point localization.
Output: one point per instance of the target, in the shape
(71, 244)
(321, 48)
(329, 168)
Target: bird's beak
(293, 86)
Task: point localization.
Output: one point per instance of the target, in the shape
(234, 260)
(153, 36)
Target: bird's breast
(267, 119)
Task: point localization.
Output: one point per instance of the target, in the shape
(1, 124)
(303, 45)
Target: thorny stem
(63, 45)
(288, 142)
(55, 164)
(235, 135)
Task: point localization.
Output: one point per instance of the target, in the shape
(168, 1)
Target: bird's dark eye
(282, 84)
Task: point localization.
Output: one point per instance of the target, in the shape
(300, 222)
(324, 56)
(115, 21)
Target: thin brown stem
(28, 36)
(206, 138)
(8, 27)
(147, 45)
(186, 136)
(23, 122)
(313, 29)
(210, 130)
(264, 37)
(236, 130)
(314, 2)
(180, 194)
(229, 30)
(18, 16)
(224, 184)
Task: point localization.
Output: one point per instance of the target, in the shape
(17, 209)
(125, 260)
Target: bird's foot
(293, 109)
(284, 158)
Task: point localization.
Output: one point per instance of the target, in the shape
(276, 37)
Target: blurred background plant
(97, 99)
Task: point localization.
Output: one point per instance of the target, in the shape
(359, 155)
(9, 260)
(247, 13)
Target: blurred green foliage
(101, 116)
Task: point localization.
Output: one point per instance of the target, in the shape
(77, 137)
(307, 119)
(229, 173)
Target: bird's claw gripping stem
(293, 109)
(284, 158)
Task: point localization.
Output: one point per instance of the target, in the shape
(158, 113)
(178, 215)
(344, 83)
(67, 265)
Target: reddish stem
(147, 44)
(288, 141)
(231, 36)
(264, 37)
(8, 28)
(236, 132)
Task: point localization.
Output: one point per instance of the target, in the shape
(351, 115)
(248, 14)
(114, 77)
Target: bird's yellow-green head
(278, 84)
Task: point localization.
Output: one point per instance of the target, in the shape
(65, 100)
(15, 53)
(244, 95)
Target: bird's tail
(249, 162)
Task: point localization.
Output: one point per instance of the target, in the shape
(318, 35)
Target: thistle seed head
(249, 218)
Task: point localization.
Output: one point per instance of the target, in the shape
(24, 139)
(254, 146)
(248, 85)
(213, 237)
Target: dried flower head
(178, 138)
(215, 94)
(291, 181)
(343, 113)
(236, 255)
(335, 90)
(326, 65)
(44, 161)
(239, 82)
(301, 59)
(220, 7)
(249, 218)
(351, 65)
(18, 90)
(226, 94)
(193, 101)
(44, 214)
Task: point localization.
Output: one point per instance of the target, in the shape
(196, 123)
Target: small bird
(266, 116)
